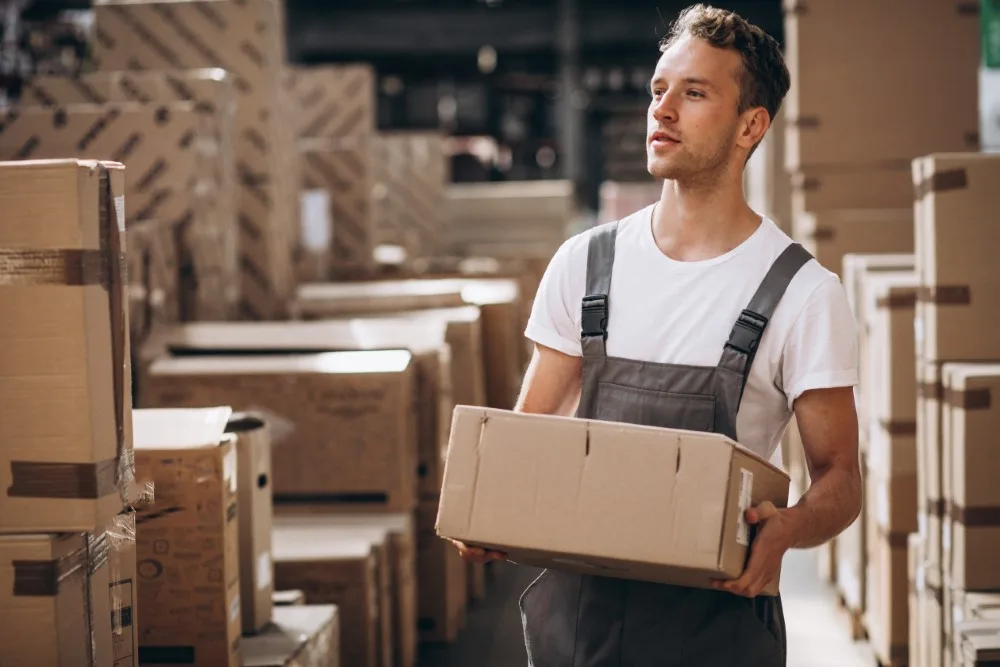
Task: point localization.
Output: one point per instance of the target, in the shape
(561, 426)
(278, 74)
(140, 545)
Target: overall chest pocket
(649, 407)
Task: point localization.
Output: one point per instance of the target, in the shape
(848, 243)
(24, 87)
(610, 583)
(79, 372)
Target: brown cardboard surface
(971, 420)
(956, 256)
(915, 573)
(247, 40)
(347, 418)
(303, 636)
(288, 598)
(870, 186)
(65, 374)
(343, 167)
(45, 595)
(398, 578)
(333, 100)
(253, 467)
(888, 600)
(929, 463)
(411, 171)
(324, 300)
(210, 231)
(830, 235)
(425, 339)
(123, 590)
(442, 581)
(341, 572)
(188, 539)
(157, 296)
(594, 497)
(932, 614)
(827, 127)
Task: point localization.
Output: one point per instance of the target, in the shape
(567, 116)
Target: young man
(696, 313)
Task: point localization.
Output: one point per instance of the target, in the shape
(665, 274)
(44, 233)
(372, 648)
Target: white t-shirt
(667, 311)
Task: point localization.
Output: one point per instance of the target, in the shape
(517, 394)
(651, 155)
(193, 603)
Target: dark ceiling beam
(317, 34)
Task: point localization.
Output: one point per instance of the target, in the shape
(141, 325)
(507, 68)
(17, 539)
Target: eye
(695, 93)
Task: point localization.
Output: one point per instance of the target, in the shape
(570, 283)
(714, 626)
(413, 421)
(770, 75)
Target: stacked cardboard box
(245, 39)
(66, 535)
(956, 311)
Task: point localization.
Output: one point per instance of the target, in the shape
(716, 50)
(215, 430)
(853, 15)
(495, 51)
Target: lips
(661, 137)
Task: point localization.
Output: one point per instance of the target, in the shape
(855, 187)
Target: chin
(662, 169)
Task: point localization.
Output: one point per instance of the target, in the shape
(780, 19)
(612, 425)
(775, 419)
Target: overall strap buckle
(594, 316)
(747, 332)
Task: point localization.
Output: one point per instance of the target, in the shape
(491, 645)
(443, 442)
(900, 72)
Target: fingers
(477, 554)
(761, 512)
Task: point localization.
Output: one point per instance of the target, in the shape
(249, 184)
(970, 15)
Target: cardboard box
(210, 219)
(956, 249)
(442, 581)
(827, 127)
(425, 340)
(929, 464)
(850, 561)
(65, 372)
(888, 599)
(340, 572)
(290, 598)
(411, 172)
(325, 300)
(917, 578)
(971, 418)
(598, 522)
(253, 468)
(870, 186)
(154, 277)
(979, 643)
(188, 539)
(972, 612)
(829, 235)
(394, 537)
(346, 419)
(299, 637)
(344, 242)
(767, 184)
(247, 40)
(933, 615)
(333, 100)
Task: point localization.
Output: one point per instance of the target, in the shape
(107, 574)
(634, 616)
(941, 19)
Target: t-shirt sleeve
(555, 318)
(821, 351)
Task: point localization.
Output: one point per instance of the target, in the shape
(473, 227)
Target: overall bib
(573, 620)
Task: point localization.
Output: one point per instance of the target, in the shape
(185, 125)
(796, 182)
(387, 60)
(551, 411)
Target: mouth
(660, 138)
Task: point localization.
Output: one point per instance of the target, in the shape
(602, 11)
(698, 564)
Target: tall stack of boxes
(67, 532)
(849, 165)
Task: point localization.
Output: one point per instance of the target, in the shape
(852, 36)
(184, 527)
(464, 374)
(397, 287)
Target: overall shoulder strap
(749, 328)
(600, 261)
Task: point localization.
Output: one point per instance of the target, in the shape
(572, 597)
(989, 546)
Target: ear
(755, 124)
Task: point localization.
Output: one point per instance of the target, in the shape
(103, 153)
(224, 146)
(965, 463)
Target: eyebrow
(688, 80)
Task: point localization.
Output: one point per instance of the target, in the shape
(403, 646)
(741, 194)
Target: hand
(477, 554)
(774, 538)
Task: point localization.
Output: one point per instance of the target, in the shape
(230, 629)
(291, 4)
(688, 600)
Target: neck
(697, 221)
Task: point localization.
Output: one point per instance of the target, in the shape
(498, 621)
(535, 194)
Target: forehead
(695, 58)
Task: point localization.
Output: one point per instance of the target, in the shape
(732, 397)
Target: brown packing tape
(937, 592)
(824, 234)
(942, 181)
(898, 300)
(932, 391)
(974, 517)
(805, 122)
(42, 578)
(936, 507)
(968, 399)
(945, 295)
(899, 428)
(793, 8)
(967, 8)
(106, 267)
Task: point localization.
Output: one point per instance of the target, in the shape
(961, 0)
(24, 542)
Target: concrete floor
(818, 634)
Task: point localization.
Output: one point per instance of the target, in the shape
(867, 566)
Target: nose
(664, 109)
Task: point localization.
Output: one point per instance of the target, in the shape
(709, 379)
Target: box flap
(352, 363)
(179, 428)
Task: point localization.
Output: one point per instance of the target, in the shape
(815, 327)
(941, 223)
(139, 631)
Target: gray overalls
(589, 621)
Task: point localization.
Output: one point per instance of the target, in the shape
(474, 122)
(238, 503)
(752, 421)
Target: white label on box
(120, 212)
(317, 225)
(882, 506)
(229, 470)
(946, 536)
(746, 493)
(918, 331)
(922, 524)
(921, 578)
(264, 570)
(122, 625)
(234, 609)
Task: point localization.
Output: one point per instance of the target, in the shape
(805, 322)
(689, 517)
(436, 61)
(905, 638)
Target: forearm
(831, 504)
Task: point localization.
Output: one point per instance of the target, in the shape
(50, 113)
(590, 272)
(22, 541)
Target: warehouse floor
(817, 630)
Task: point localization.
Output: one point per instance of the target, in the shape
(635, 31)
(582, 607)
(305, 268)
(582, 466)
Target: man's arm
(828, 423)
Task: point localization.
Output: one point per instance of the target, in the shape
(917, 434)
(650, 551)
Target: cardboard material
(425, 340)
(767, 184)
(324, 300)
(442, 578)
(826, 127)
(343, 168)
(829, 235)
(929, 463)
(933, 615)
(343, 421)
(398, 533)
(597, 488)
(253, 453)
(343, 572)
(956, 249)
(888, 600)
(156, 294)
(333, 100)
(971, 418)
(247, 40)
(978, 643)
(868, 186)
(303, 636)
(289, 598)
(188, 539)
(915, 568)
(65, 371)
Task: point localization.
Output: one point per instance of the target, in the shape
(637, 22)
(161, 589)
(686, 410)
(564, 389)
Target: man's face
(692, 120)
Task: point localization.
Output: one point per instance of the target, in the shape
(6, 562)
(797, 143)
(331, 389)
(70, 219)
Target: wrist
(795, 522)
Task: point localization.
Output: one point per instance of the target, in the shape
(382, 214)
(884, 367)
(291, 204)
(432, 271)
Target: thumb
(761, 512)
